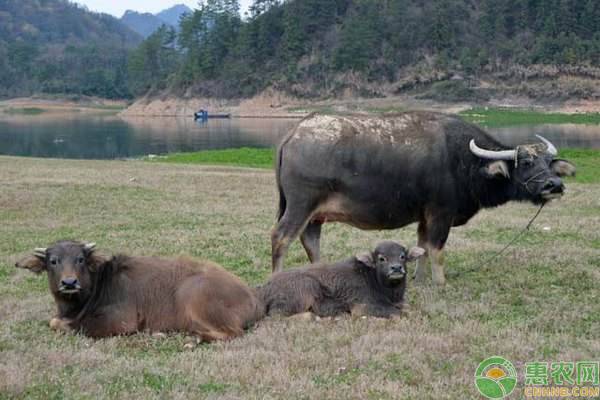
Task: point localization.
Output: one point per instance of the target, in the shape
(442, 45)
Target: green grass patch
(587, 162)
(241, 157)
(25, 111)
(498, 117)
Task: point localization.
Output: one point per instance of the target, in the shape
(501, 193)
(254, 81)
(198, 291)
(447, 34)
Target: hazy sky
(118, 7)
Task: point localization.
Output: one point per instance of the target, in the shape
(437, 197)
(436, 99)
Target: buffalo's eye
(402, 257)
(381, 258)
(80, 260)
(53, 261)
(527, 162)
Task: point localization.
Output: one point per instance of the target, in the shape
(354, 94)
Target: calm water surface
(109, 136)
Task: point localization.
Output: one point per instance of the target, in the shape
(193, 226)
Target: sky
(117, 8)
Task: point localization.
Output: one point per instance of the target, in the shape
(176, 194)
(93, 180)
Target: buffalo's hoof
(60, 325)
(439, 281)
(305, 316)
(191, 342)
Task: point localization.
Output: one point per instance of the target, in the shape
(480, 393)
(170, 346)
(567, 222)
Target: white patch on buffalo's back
(321, 126)
(390, 131)
(382, 130)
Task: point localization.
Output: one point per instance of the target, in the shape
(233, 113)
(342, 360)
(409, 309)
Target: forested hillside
(334, 47)
(54, 46)
(440, 49)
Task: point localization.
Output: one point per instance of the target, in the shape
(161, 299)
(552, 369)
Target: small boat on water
(203, 114)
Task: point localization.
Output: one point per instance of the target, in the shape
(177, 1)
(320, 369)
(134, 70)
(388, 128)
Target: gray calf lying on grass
(370, 284)
(120, 295)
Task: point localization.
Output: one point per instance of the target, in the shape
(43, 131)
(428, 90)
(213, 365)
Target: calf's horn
(549, 146)
(89, 246)
(39, 251)
(490, 154)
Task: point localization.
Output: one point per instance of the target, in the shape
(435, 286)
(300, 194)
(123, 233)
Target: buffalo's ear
(365, 258)
(562, 168)
(89, 248)
(33, 263)
(415, 252)
(496, 169)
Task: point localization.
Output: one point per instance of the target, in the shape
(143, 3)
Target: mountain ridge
(145, 23)
(55, 46)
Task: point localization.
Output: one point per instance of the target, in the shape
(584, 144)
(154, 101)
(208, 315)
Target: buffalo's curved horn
(490, 154)
(39, 252)
(89, 246)
(549, 146)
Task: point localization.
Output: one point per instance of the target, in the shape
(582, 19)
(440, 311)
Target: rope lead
(486, 261)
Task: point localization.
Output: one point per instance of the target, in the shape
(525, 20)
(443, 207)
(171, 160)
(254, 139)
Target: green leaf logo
(496, 377)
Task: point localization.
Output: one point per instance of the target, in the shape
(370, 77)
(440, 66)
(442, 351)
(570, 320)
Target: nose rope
(478, 266)
(532, 179)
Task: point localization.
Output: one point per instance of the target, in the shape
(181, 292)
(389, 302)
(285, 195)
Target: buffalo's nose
(69, 282)
(398, 269)
(553, 185)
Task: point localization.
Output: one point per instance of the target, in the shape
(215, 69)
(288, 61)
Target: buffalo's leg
(437, 234)
(421, 262)
(288, 228)
(310, 239)
(437, 265)
(433, 232)
(109, 321)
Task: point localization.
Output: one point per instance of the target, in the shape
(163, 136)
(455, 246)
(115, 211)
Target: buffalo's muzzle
(553, 188)
(69, 285)
(397, 272)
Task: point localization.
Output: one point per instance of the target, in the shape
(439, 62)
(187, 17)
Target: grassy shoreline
(587, 161)
(500, 117)
(238, 157)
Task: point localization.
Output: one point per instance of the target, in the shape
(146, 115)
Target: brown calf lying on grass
(121, 295)
(371, 284)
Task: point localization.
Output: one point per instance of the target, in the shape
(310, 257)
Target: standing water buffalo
(121, 295)
(369, 284)
(387, 172)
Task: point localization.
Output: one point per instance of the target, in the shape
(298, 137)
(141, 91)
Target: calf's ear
(562, 168)
(415, 252)
(366, 258)
(496, 169)
(33, 263)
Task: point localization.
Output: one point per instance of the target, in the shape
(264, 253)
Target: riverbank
(538, 299)
(60, 104)
(272, 104)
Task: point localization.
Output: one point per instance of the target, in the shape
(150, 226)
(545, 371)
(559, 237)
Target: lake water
(109, 136)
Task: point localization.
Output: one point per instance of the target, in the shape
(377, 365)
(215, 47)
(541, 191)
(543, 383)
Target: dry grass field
(538, 301)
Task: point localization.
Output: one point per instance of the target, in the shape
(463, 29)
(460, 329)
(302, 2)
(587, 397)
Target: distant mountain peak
(146, 23)
(172, 14)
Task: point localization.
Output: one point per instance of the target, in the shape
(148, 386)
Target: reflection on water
(106, 137)
(561, 135)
